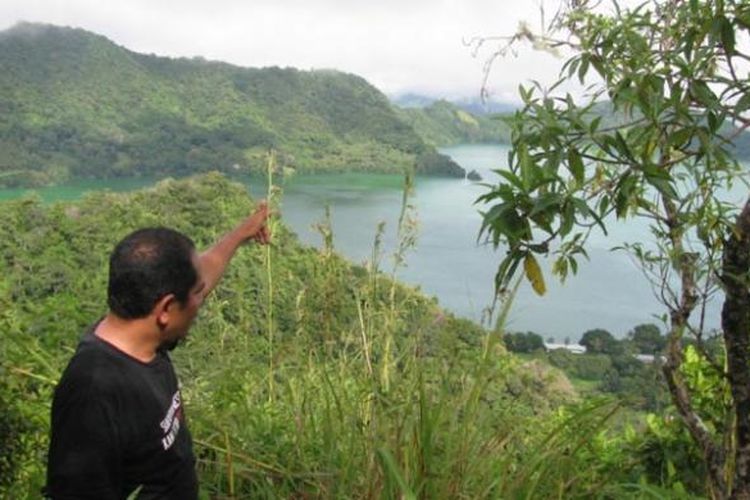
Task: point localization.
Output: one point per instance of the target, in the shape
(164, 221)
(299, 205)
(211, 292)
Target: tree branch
(735, 321)
(713, 453)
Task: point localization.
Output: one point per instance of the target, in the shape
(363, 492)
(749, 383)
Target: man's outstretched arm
(214, 260)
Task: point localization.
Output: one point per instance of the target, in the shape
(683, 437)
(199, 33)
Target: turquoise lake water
(608, 292)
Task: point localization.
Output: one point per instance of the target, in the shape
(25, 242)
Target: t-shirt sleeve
(84, 451)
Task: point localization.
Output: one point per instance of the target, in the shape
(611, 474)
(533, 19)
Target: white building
(649, 358)
(574, 348)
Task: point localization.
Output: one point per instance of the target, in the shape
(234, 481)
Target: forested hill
(74, 104)
(445, 124)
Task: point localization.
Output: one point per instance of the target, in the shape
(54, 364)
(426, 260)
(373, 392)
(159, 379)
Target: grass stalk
(41, 378)
(244, 458)
(406, 239)
(230, 464)
(365, 342)
(269, 279)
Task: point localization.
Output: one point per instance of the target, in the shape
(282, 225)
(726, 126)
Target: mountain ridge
(75, 104)
(444, 123)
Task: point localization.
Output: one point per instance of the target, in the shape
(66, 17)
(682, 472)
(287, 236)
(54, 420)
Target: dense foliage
(445, 124)
(673, 73)
(74, 104)
(608, 366)
(600, 341)
(523, 342)
(647, 339)
(305, 376)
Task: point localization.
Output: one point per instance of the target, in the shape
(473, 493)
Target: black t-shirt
(118, 425)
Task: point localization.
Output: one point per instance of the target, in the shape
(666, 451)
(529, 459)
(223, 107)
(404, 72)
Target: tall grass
(270, 199)
(381, 407)
(309, 378)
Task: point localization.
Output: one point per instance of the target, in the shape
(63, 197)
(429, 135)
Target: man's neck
(134, 337)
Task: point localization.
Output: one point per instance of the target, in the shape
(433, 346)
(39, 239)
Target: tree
(523, 342)
(650, 137)
(647, 339)
(600, 341)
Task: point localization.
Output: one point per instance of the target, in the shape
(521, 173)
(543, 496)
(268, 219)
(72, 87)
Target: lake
(608, 292)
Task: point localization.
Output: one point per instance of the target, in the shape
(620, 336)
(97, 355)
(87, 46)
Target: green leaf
(743, 18)
(534, 274)
(544, 202)
(575, 164)
(703, 94)
(727, 36)
(622, 145)
(511, 178)
(660, 178)
(594, 126)
(583, 69)
(743, 103)
(570, 65)
(680, 137)
(583, 208)
(713, 122)
(643, 95)
(502, 269)
(518, 228)
(525, 94)
(567, 219)
(604, 206)
(490, 219)
(624, 191)
(560, 268)
(507, 268)
(392, 472)
(573, 264)
(525, 166)
(596, 62)
(503, 220)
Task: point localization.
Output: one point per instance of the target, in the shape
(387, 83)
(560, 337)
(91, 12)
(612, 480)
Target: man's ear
(163, 308)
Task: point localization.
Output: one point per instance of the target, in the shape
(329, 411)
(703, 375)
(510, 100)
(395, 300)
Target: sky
(399, 46)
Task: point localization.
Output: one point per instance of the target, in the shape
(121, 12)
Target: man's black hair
(147, 265)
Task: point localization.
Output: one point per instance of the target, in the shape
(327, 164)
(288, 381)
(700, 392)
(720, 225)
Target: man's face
(181, 316)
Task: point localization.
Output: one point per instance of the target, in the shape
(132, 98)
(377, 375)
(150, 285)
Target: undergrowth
(305, 376)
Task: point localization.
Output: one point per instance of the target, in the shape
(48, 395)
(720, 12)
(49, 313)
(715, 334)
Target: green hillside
(445, 124)
(301, 372)
(74, 104)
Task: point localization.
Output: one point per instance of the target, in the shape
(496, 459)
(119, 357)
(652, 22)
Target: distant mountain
(473, 105)
(488, 107)
(74, 104)
(444, 124)
(411, 100)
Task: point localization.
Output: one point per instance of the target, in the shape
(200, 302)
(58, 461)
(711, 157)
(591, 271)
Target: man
(118, 424)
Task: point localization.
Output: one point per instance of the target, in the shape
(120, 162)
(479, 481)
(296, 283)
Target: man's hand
(215, 259)
(255, 227)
